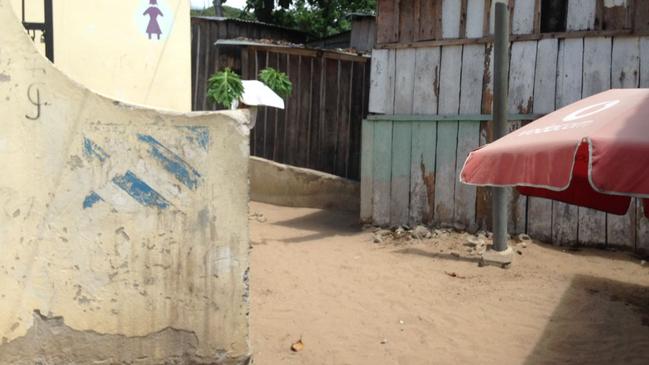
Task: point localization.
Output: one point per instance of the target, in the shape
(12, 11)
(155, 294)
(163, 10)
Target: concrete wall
(123, 231)
(104, 45)
(275, 183)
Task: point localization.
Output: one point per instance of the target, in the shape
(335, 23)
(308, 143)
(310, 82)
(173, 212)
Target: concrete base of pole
(497, 258)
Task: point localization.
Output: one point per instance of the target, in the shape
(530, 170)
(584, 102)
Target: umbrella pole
(501, 75)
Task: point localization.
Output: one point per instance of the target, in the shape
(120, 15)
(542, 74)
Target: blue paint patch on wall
(91, 199)
(140, 191)
(91, 149)
(183, 172)
(199, 135)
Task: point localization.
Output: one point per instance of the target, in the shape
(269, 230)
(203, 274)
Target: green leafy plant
(225, 87)
(276, 81)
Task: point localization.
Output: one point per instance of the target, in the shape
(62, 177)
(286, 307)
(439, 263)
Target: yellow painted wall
(103, 44)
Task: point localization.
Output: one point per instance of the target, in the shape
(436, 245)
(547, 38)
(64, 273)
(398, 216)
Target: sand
(316, 275)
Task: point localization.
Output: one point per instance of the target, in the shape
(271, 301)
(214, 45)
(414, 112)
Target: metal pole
(49, 30)
(501, 75)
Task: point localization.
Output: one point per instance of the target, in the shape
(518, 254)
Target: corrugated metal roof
(246, 21)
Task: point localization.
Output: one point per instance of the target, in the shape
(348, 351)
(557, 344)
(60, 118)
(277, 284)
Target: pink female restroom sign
(154, 19)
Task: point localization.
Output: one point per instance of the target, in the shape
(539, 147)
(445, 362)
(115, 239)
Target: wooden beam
(443, 118)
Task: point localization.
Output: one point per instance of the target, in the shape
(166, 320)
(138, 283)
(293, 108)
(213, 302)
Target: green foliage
(319, 18)
(228, 12)
(225, 87)
(276, 81)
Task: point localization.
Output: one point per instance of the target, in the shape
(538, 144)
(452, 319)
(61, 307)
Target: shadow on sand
(323, 223)
(597, 321)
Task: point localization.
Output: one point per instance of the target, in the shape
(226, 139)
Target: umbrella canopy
(593, 153)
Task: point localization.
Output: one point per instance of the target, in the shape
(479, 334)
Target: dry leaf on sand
(297, 346)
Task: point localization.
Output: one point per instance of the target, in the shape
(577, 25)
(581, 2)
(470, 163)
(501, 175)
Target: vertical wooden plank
(426, 83)
(292, 122)
(468, 132)
(449, 103)
(451, 10)
(521, 99)
(330, 125)
(521, 77)
(265, 129)
(475, 18)
(405, 80)
(596, 78)
(581, 15)
(539, 210)
(523, 17)
(625, 73)
(387, 21)
(483, 194)
(303, 95)
(617, 15)
(406, 21)
(450, 72)
(317, 110)
(569, 80)
(644, 61)
(280, 119)
(382, 81)
(401, 137)
(382, 168)
(342, 119)
(367, 169)
(641, 14)
(400, 182)
(356, 114)
(422, 172)
(429, 20)
(424, 136)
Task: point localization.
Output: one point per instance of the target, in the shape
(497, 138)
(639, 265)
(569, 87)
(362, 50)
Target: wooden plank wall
(321, 125)
(411, 21)
(427, 155)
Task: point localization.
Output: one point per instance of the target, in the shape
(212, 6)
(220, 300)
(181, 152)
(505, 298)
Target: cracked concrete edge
(51, 341)
(286, 185)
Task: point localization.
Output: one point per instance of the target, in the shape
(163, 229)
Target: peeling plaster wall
(123, 231)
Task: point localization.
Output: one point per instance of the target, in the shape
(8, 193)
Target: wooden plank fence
(320, 127)
(413, 152)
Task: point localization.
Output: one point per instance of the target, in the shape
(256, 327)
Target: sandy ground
(317, 276)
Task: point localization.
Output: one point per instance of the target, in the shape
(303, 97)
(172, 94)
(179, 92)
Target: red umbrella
(593, 153)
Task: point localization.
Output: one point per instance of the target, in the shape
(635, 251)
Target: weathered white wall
(123, 231)
(104, 45)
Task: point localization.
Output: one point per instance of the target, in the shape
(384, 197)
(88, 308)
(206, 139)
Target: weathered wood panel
(382, 81)
(401, 138)
(468, 133)
(341, 160)
(400, 181)
(641, 15)
(539, 210)
(523, 16)
(424, 136)
(367, 171)
(569, 80)
(449, 103)
(422, 176)
(429, 19)
(451, 10)
(407, 30)
(596, 78)
(445, 172)
(521, 99)
(615, 14)
(625, 73)
(426, 87)
(475, 18)
(581, 15)
(387, 21)
(382, 168)
(483, 194)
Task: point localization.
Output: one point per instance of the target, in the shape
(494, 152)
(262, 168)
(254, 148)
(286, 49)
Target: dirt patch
(320, 278)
